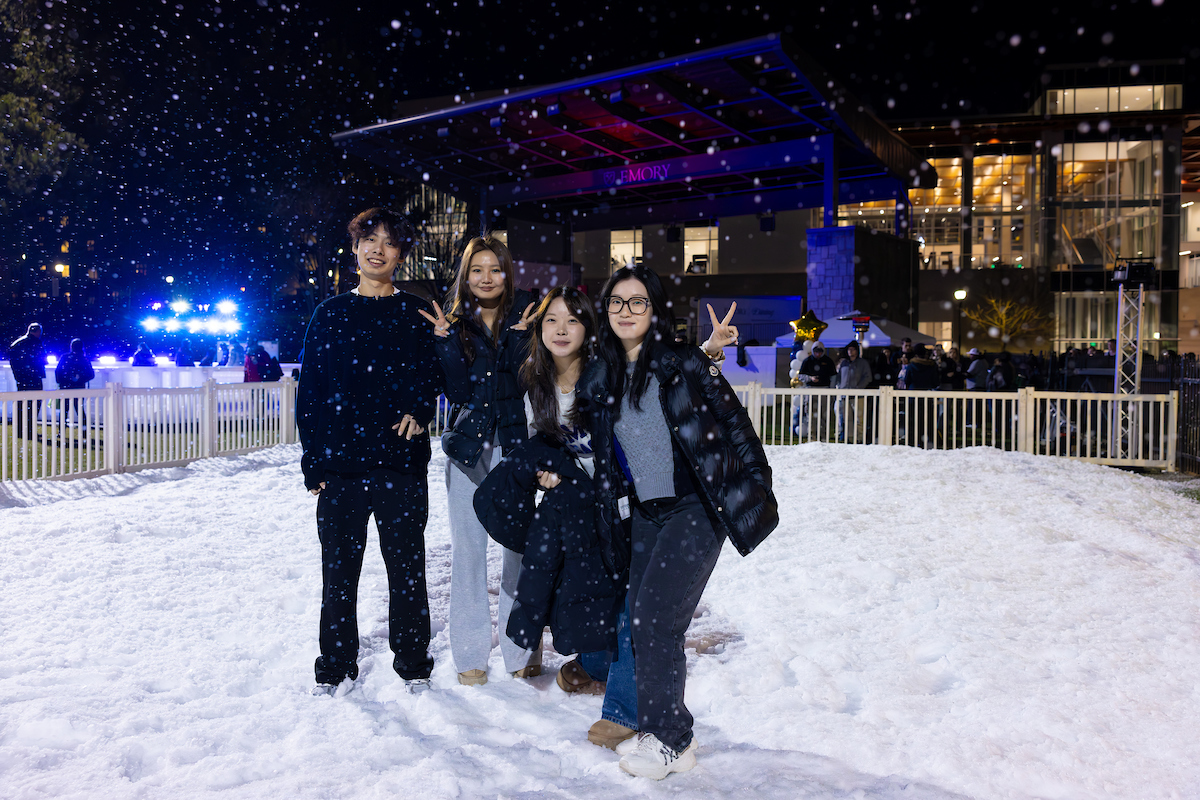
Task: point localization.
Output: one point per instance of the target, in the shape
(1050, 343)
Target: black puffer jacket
(486, 393)
(565, 580)
(712, 431)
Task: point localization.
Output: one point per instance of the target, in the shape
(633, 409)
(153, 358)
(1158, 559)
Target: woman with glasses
(478, 338)
(678, 469)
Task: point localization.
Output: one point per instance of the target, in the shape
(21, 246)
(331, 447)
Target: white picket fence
(88, 432)
(1117, 430)
(85, 432)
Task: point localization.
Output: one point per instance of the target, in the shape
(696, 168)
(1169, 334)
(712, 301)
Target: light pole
(960, 295)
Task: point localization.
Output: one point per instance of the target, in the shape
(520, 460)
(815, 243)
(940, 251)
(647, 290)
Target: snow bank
(923, 625)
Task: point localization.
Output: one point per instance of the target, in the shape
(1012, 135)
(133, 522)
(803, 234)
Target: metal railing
(1067, 424)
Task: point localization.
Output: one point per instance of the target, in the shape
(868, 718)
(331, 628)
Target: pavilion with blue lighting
(751, 128)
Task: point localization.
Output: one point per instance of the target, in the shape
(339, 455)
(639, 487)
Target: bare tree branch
(1006, 319)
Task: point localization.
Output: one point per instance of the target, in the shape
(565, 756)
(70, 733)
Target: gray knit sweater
(646, 442)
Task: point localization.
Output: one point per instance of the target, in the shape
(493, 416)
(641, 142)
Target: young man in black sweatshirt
(368, 392)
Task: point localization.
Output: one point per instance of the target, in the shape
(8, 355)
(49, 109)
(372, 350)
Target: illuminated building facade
(1102, 169)
(736, 168)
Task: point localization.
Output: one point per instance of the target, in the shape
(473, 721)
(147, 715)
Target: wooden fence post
(1025, 420)
(754, 398)
(287, 410)
(887, 415)
(208, 419)
(1172, 430)
(114, 428)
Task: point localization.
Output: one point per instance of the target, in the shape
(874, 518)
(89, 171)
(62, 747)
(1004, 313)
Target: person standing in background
(142, 357)
(817, 371)
(853, 373)
(27, 358)
(237, 354)
(261, 366)
(75, 371)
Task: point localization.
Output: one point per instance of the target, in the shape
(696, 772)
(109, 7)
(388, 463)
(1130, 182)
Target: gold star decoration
(808, 327)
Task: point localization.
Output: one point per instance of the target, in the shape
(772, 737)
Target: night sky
(206, 121)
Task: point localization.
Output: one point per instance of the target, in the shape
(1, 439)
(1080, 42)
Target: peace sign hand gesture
(526, 318)
(723, 334)
(441, 326)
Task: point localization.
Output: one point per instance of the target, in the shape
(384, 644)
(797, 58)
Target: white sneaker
(417, 685)
(653, 759)
(626, 746)
(329, 690)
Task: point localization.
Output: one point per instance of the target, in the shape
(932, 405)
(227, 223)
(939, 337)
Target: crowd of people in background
(922, 366)
(28, 357)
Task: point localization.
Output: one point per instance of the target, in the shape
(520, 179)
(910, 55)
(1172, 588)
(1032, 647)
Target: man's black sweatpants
(400, 503)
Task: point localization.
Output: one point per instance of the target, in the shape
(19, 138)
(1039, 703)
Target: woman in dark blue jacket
(478, 341)
(675, 455)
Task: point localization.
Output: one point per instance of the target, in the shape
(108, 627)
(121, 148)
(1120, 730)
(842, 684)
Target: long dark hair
(537, 372)
(462, 306)
(611, 349)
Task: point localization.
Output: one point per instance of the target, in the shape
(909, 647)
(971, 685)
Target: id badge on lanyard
(622, 502)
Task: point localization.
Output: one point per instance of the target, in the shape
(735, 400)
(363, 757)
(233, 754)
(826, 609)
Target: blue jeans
(596, 664)
(620, 694)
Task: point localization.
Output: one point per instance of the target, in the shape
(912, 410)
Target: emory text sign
(618, 177)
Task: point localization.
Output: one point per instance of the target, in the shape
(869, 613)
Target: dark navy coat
(566, 581)
(488, 399)
(28, 362)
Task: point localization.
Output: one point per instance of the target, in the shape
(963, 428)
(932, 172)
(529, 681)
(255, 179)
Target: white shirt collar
(376, 297)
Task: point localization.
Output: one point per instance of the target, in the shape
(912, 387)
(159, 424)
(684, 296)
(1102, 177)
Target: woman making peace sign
(677, 457)
(476, 341)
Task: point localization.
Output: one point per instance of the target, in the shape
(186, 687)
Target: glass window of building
(442, 220)
(1090, 318)
(878, 215)
(626, 247)
(1002, 204)
(937, 216)
(700, 247)
(1113, 99)
(1002, 207)
(1109, 198)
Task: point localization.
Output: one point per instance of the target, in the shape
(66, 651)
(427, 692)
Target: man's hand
(441, 326)
(317, 491)
(526, 318)
(723, 334)
(408, 427)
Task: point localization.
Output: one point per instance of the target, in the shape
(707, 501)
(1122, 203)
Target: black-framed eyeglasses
(637, 305)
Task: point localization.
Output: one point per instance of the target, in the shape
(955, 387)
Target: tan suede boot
(473, 677)
(609, 734)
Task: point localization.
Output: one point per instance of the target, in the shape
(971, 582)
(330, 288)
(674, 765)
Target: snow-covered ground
(922, 625)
